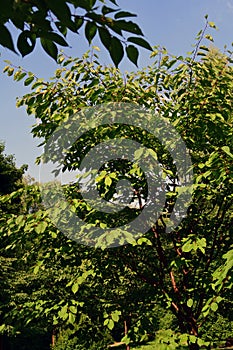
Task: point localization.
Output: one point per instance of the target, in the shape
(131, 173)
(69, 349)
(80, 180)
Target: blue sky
(170, 23)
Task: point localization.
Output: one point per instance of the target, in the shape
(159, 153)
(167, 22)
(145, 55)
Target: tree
(188, 270)
(45, 19)
(11, 177)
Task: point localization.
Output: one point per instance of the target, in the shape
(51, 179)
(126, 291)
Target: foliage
(10, 176)
(188, 270)
(50, 21)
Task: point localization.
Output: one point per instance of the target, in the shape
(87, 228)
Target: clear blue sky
(170, 23)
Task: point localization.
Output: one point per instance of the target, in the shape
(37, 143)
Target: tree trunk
(126, 331)
(53, 338)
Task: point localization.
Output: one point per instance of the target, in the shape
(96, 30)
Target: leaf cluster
(50, 21)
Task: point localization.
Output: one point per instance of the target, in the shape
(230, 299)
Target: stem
(125, 332)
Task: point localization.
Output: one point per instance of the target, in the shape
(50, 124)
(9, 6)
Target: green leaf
(138, 153)
(108, 181)
(26, 42)
(54, 37)
(73, 309)
(192, 339)
(60, 9)
(6, 8)
(114, 2)
(122, 14)
(127, 340)
(63, 313)
(36, 269)
(41, 227)
(105, 10)
(20, 76)
(105, 37)
(110, 324)
(78, 22)
(115, 316)
(49, 47)
(10, 71)
(71, 318)
(227, 150)
(86, 4)
(38, 18)
(142, 240)
(90, 30)
(190, 302)
(128, 26)
(20, 220)
(116, 51)
(132, 54)
(187, 247)
(61, 27)
(3, 327)
(141, 42)
(28, 81)
(214, 307)
(6, 39)
(75, 288)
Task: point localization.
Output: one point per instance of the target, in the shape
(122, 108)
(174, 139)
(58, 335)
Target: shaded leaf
(61, 27)
(78, 22)
(54, 37)
(6, 8)
(141, 42)
(105, 10)
(105, 37)
(49, 47)
(60, 9)
(129, 26)
(6, 39)
(26, 42)
(116, 51)
(87, 5)
(114, 2)
(90, 31)
(122, 14)
(132, 54)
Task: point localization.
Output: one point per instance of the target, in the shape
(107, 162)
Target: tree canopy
(96, 296)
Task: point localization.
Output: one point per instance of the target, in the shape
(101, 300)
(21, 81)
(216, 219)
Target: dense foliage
(89, 297)
(50, 21)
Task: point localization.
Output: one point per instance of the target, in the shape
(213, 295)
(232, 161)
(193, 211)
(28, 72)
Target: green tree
(50, 21)
(11, 177)
(187, 270)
